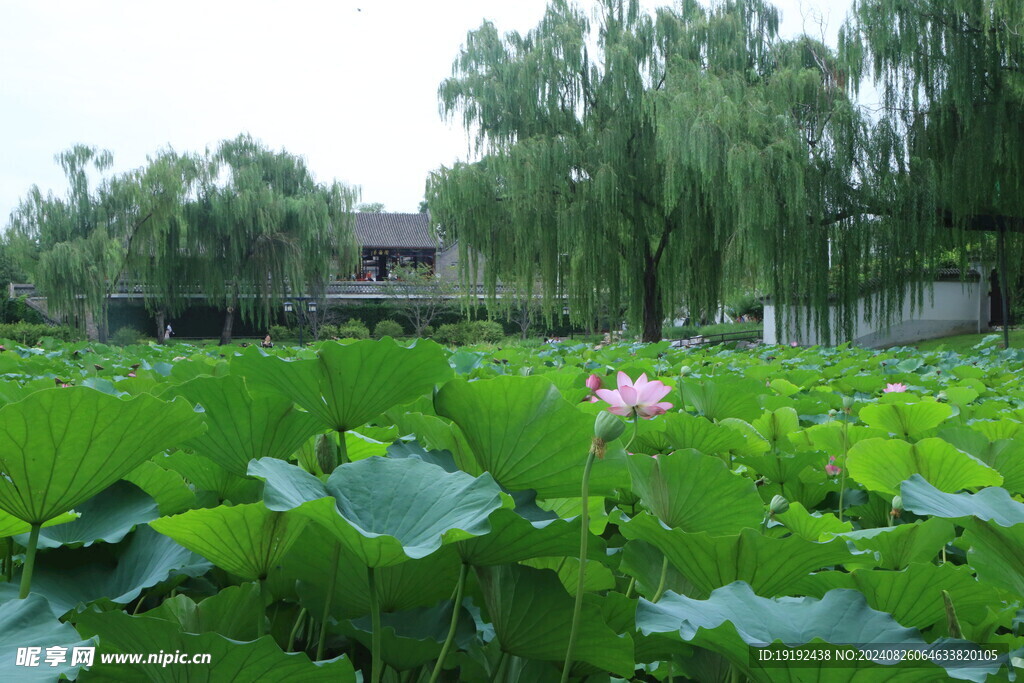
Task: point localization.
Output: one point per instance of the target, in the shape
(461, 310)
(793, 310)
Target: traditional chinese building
(393, 240)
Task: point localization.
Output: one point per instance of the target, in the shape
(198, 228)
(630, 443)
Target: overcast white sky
(351, 85)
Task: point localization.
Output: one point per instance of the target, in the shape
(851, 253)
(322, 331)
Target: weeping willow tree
(951, 77)
(263, 230)
(639, 161)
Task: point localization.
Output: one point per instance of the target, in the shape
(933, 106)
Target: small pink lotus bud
(593, 382)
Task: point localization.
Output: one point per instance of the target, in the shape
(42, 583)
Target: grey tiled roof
(401, 230)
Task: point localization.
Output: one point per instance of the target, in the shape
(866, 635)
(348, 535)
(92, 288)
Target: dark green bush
(29, 334)
(354, 329)
(125, 336)
(280, 333)
(486, 331)
(453, 334)
(388, 328)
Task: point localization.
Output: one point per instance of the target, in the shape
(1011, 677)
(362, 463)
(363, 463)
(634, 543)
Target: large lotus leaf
(527, 436)
(106, 517)
(532, 616)
(171, 493)
(996, 553)
(682, 430)
(906, 420)
(206, 475)
(234, 612)
(346, 386)
(30, 623)
(721, 399)
(913, 596)
(230, 660)
(695, 492)
(811, 527)
(59, 447)
(1006, 456)
(994, 430)
(437, 434)
(733, 619)
(514, 538)
(118, 572)
(246, 540)
(414, 637)
(643, 562)
(241, 427)
(597, 577)
(784, 469)
(991, 503)
(899, 546)
(386, 510)
(775, 426)
(883, 464)
(770, 565)
(12, 526)
(753, 442)
(307, 566)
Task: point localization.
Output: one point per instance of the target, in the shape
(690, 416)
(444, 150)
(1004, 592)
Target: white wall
(951, 308)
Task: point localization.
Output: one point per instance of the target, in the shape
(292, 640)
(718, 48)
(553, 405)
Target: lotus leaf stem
(629, 588)
(376, 662)
(332, 579)
(584, 535)
(30, 560)
(260, 616)
(661, 582)
(499, 667)
(295, 629)
(456, 606)
(9, 560)
(842, 477)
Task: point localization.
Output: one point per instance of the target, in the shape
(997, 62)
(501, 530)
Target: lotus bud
(833, 412)
(685, 371)
(847, 404)
(593, 382)
(326, 453)
(897, 506)
(778, 506)
(941, 397)
(608, 427)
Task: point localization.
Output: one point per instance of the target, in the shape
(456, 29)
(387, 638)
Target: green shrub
(125, 336)
(329, 331)
(486, 331)
(29, 334)
(354, 329)
(453, 334)
(679, 332)
(388, 328)
(280, 333)
(428, 331)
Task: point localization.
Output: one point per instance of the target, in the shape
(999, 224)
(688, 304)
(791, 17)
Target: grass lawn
(965, 343)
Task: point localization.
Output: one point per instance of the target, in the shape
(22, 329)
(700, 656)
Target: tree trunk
(161, 327)
(103, 327)
(653, 315)
(229, 321)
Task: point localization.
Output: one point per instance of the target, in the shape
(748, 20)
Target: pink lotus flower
(897, 388)
(131, 374)
(642, 398)
(831, 469)
(793, 344)
(593, 382)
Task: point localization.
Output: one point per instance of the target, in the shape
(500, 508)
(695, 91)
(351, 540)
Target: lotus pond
(380, 511)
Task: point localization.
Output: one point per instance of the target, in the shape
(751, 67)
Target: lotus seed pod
(778, 505)
(847, 403)
(897, 503)
(326, 453)
(684, 371)
(608, 427)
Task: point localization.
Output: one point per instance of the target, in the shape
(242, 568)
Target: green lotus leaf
(775, 426)
(901, 545)
(995, 430)
(60, 447)
(106, 517)
(241, 427)
(527, 436)
(643, 562)
(246, 540)
(412, 638)
(306, 568)
(784, 470)
(830, 438)
(913, 596)
(532, 615)
(12, 526)
(386, 510)
(346, 386)
(996, 553)
(695, 492)
(753, 442)
(883, 464)
(1006, 456)
(721, 399)
(811, 527)
(906, 420)
(115, 572)
(206, 475)
(514, 538)
(682, 430)
(733, 619)
(770, 565)
(597, 578)
(30, 623)
(230, 660)
(991, 503)
(171, 493)
(234, 612)
(437, 434)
